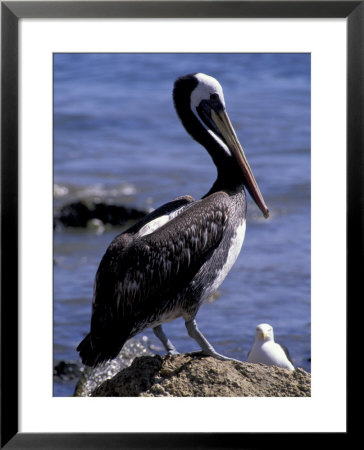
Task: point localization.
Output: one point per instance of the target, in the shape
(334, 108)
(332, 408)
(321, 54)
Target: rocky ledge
(198, 376)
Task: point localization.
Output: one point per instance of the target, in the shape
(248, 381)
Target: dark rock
(75, 214)
(116, 215)
(78, 214)
(196, 376)
(66, 370)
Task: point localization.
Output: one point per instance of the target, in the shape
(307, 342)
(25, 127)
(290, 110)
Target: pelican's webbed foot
(206, 348)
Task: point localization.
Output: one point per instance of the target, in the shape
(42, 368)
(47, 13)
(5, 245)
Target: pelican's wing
(139, 273)
(178, 204)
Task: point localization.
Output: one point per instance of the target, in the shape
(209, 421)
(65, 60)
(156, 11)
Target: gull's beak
(223, 124)
(264, 335)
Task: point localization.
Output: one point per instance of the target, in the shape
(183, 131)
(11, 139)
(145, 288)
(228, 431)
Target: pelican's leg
(206, 347)
(171, 349)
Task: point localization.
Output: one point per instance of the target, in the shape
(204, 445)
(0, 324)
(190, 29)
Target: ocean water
(117, 138)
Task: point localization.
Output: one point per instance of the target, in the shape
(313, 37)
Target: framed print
(67, 67)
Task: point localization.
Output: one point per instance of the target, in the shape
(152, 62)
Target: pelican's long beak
(223, 124)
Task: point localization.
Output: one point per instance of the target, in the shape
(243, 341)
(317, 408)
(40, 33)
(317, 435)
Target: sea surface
(117, 138)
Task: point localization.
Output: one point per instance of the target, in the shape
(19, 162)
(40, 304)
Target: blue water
(117, 138)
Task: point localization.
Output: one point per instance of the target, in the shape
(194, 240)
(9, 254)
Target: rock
(66, 370)
(90, 378)
(79, 214)
(199, 376)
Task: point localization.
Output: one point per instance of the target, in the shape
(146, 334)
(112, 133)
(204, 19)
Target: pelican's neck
(229, 186)
(229, 175)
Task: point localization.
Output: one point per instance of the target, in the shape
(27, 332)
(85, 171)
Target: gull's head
(264, 333)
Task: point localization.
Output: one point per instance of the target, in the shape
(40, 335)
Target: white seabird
(268, 352)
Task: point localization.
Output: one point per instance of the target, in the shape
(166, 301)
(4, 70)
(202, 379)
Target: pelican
(166, 265)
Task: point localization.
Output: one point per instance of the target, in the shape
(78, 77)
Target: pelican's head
(207, 89)
(264, 333)
(199, 96)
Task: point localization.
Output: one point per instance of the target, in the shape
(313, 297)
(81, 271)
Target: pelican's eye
(214, 97)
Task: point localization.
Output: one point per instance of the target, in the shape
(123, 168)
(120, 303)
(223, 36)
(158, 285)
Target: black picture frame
(11, 13)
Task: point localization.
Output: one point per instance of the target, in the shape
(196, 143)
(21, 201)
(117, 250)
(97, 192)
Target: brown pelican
(169, 263)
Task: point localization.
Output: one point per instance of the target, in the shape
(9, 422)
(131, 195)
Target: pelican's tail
(94, 353)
